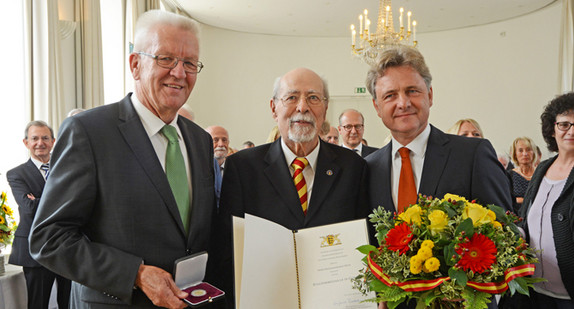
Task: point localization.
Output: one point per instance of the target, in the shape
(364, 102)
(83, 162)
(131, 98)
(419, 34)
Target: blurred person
(127, 194)
(364, 142)
(75, 111)
(273, 135)
(351, 130)
(421, 159)
(186, 112)
(523, 155)
(27, 183)
(539, 158)
(548, 209)
(324, 129)
(248, 144)
(466, 127)
(221, 147)
(332, 137)
(260, 181)
(503, 159)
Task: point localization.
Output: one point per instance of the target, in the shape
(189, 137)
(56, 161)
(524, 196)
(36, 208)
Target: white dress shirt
(418, 148)
(359, 149)
(38, 164)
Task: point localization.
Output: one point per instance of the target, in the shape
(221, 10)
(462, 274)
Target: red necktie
(407, 189)
(300, 184)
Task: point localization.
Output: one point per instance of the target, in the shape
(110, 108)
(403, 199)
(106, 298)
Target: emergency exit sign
(360, 90)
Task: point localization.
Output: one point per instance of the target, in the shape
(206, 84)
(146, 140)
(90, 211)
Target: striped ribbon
(425, 285)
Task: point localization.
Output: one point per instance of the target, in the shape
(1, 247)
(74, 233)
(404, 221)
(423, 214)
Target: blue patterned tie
(46, 168)
(176, 173)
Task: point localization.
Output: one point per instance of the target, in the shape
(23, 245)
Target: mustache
(302, 117)
(220, 149)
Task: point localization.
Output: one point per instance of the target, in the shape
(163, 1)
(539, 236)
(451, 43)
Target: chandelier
(370, 44)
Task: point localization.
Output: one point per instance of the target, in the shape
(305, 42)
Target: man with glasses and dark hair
(298, 181)
(131, 188)
(351, 129)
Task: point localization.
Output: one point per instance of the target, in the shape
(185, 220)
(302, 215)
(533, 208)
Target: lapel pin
(329, 173)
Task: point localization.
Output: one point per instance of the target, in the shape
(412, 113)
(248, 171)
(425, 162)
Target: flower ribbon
(425, 285)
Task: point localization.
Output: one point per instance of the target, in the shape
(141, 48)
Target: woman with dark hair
(548, 209)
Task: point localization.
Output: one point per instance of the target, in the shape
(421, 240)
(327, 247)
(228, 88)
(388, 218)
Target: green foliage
(474, 299)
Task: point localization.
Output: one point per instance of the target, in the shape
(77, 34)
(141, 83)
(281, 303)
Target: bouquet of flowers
(7, 223)
(447, 253)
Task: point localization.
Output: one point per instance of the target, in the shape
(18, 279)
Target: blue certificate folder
(189, 274)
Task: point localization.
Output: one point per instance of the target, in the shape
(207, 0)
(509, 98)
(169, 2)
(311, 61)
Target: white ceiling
(332, 18)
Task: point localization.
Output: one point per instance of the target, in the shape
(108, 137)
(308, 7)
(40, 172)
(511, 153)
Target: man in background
(27, 183)
(220, 144)
(332, 136)
(352, 128)
(128, 195)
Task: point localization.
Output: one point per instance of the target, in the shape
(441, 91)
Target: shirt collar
(311, 157)
(359, 148)
(37, 162)
(151, 123)
(417, 146)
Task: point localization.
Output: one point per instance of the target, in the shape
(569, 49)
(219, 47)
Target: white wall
(501, 74)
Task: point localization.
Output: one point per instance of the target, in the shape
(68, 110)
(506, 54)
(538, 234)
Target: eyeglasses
(312, 100)
(349, 127)
(564, 125)
(170, 62)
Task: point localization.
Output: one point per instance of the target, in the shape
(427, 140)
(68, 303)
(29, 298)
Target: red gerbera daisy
(478, 254)
(399, 237)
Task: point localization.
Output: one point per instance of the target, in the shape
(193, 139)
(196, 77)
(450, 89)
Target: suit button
(560, 217)
(188, 251)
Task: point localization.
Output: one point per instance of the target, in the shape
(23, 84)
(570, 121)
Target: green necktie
(176, 174)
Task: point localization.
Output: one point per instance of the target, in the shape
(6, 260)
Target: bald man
(220, 144)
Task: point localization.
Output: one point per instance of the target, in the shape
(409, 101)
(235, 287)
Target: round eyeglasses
(349, 127)
(170, 62)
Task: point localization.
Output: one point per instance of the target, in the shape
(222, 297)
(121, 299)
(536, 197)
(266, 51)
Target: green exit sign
(360, 90)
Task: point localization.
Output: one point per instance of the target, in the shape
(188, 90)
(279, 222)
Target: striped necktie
(299, 164)
(407, 188)
(46, 168)
(176, 173)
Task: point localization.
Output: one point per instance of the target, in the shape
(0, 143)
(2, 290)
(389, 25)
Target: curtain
(90, 68)
(44, 87)
(566, 52)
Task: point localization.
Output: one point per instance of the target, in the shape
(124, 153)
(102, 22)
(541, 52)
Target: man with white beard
(266, 181)
(220, 144)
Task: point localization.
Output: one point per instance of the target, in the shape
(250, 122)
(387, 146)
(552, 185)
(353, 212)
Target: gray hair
(396, 57)
(37, 123)
(153, 18)
(277, 86)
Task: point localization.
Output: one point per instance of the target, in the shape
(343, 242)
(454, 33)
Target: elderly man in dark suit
(351, 129)
(27, 182)
(131, 189)
(420, 158)
(260, 181)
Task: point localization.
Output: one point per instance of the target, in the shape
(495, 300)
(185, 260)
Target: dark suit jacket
(453, 164)
(257, 181)
(367, 151)
(108, 206)
(23, 179)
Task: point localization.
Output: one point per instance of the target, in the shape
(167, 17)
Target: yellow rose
(479, 215)
(412, 215)
(453, 197)
(432, 264)
(497, 225)
(438, 220)
(425, 253)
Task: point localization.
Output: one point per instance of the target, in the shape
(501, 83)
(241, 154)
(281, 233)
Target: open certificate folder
(309, 268)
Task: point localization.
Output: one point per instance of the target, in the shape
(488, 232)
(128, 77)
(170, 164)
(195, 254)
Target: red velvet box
(189, 274)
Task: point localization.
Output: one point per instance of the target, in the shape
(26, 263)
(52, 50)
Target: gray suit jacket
(108, 206)
(453, 164)
(23, 179)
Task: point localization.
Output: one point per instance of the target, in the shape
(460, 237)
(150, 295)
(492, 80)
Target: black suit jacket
(257, 181)
(367, 151)
(108, 206)
(23, 179)
(453, 164)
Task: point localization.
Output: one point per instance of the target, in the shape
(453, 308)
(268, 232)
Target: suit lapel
(135, 136)
(279, 176)
(436, 157)
(325, 175)
(380, 169)
(35, 176)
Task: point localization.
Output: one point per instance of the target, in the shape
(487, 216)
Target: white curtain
(43, 58)
(91, 70)
(566, 57)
